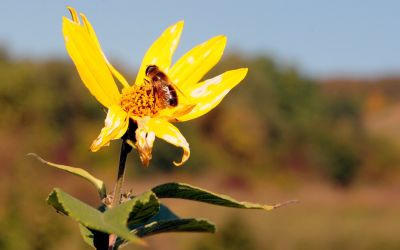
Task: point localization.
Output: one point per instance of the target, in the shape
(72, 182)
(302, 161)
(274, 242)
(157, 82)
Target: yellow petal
(116, 124)
(168, 132)
(161, 51)
(74, 14)
(191, 67)
(90, 62)
(208, 94)
(113, 70)
(170, 114)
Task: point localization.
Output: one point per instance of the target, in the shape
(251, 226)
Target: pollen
(139, 100)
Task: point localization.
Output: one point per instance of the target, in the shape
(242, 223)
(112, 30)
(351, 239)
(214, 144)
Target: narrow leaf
(177, 225)
(99, 184)
(157, 225)
(185, 191)
(164, 214)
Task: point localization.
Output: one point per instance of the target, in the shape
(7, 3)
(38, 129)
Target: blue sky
(322, 38)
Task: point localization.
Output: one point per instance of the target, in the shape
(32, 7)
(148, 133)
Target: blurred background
(316, 119)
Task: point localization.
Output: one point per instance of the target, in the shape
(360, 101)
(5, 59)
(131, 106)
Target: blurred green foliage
(277, 122)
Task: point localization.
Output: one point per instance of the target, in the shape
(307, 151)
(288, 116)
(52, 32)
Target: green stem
(125, 149)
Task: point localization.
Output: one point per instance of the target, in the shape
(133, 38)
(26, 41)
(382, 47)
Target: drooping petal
(168, 132)
(161, 51)
(208, 94)
(116, 124)
(113, 70)
(90, 62)
(191, 67)
(144, 140)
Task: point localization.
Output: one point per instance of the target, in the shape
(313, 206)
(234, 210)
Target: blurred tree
(277, 120)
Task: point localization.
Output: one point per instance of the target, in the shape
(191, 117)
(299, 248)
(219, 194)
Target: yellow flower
(142, 102)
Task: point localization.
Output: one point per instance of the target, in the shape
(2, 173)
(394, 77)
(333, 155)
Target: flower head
(161, 93)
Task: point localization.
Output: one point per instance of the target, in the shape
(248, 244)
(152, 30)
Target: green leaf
(94, 238)
(99, 184)
(185, 191)
(166, 221)
(87, 235)
(146, 206)
(175, 225)
(163, 213)
(112, 221)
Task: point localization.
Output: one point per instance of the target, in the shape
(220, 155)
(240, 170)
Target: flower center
(139, 100)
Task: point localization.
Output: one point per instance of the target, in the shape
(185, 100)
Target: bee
(164, 89)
